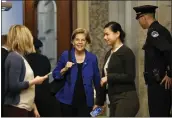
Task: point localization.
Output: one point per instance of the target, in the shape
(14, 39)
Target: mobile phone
(49, 73)
(96, 112)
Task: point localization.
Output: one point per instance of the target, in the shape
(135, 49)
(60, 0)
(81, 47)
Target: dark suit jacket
(4, 54)
(120, 72)
(47, 105)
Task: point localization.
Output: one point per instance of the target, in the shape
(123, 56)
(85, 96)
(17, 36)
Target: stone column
(83, 16)
(164, 14)
(98, 17)
(117, 12)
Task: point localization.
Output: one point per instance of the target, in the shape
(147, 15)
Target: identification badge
(154, 34)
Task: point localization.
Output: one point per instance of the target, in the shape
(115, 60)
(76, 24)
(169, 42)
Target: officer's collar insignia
(155, 34)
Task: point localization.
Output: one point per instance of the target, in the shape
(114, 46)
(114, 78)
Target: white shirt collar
(5, 48)
(118, 48)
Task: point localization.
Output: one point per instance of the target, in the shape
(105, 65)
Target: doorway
(46, 30)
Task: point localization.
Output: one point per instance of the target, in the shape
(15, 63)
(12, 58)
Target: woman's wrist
(32, 82)
(66, 68)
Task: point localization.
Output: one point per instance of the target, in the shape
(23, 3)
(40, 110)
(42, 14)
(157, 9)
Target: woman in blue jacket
(77, 96)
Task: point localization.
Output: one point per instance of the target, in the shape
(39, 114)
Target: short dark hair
(152, 15)
(114, 26)
(3, 39)
(37, 43)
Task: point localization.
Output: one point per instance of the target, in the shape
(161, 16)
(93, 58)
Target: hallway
(53, 21)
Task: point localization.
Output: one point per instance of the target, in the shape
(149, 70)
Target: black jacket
(120, 72)
(47, 105)
(4, 54)
(158, 53)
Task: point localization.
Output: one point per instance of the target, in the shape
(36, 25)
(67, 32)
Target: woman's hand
(167, 81)
(38, 80)
(95, 106)
(103, 81)
(68, 65)
(102, 107)
(35, 111)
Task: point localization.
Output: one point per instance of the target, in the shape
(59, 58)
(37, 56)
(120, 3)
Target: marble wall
(98, 17)
(164, 14)
(83, 16)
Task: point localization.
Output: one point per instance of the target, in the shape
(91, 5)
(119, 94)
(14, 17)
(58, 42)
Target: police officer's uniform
(158, 63)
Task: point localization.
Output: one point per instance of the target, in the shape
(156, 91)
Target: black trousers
(11, 111)
(159, 101)
(125, 104)
(70, 111)
(2, 108)
(48, 106)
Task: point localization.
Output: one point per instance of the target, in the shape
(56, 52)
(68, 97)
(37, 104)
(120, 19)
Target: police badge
(155, 34)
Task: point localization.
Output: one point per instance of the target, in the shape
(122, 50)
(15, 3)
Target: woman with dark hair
(118, 74)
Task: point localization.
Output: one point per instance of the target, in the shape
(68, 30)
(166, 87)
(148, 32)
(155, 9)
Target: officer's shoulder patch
(154, 34)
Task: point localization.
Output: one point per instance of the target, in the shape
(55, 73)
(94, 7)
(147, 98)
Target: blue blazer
(90, 74)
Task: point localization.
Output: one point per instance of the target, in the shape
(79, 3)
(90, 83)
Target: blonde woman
(77, 96)
(19, 77)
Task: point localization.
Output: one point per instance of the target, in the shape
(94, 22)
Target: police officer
(158, 61)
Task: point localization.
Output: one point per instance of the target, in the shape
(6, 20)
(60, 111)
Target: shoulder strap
(69, 59)
(69, 55)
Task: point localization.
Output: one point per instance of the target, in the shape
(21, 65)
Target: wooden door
(66, 21)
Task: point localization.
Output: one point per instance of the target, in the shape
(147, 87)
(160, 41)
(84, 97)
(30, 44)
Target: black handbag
(57, 84)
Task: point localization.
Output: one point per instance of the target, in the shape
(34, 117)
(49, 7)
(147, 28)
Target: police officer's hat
(140, 10)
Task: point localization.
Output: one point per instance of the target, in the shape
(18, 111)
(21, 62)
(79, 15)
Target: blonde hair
(20, 39)
(83, 31)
